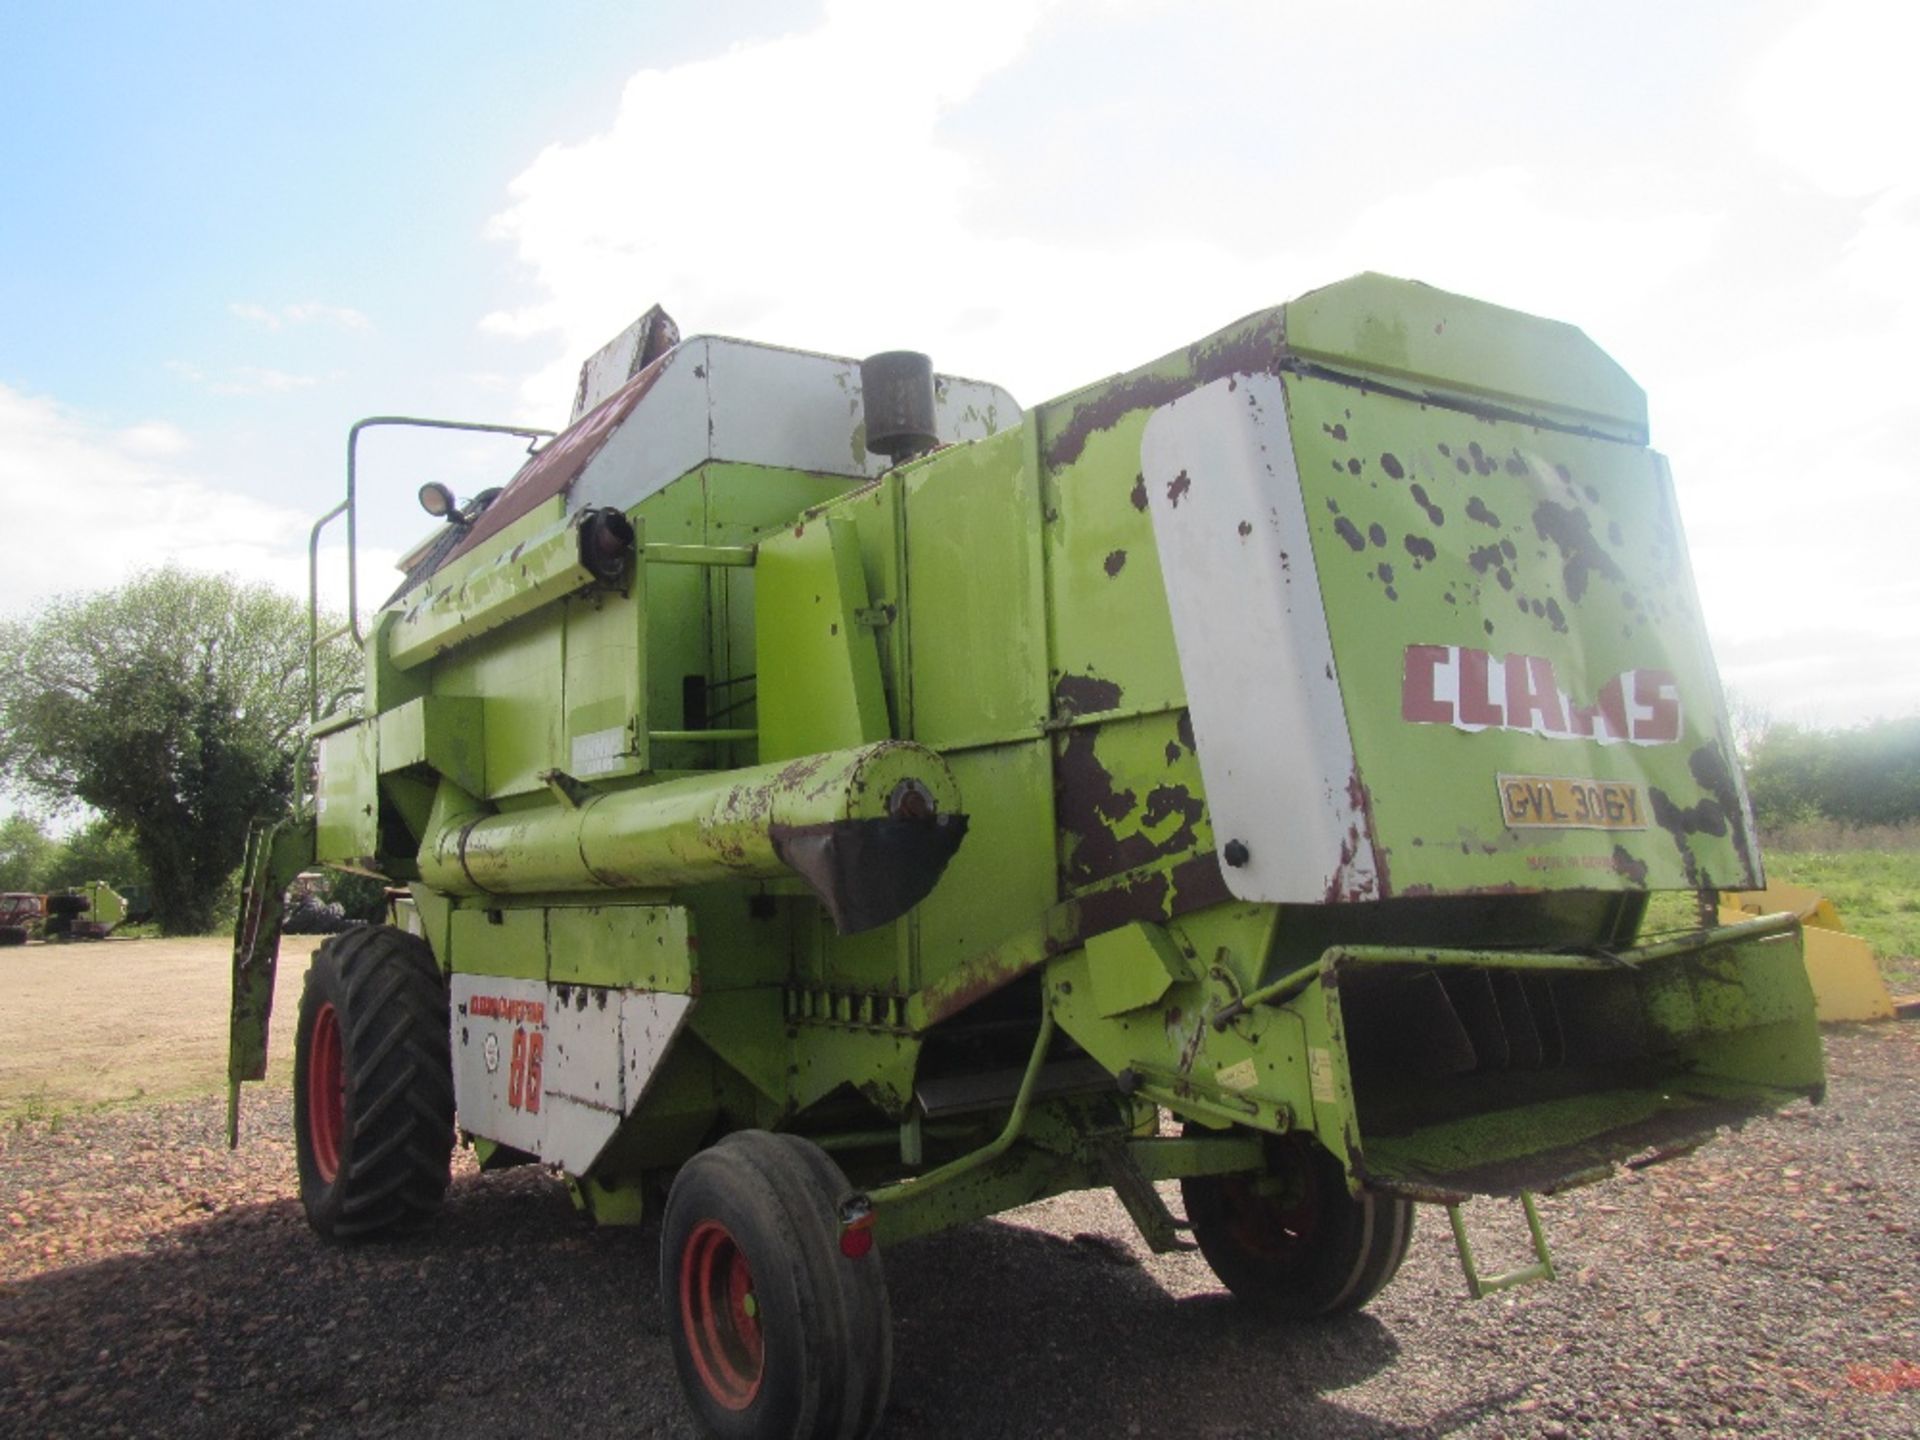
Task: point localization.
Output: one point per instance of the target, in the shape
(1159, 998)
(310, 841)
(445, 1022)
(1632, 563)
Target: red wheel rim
(326, 1092)
(720, 1316)
(1277, 1228)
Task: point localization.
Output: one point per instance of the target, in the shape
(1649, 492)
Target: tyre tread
(397, 1055)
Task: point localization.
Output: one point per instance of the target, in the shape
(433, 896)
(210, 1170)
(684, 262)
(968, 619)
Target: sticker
(599, 751)
(1475, 690)
(492, 1050)
(1320, 1070)
(1237, 1077)
(1564, 802)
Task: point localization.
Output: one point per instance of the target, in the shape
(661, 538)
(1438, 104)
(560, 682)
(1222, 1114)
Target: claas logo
(1475, 690)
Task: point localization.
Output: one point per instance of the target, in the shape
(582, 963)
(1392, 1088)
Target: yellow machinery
(1846, 980)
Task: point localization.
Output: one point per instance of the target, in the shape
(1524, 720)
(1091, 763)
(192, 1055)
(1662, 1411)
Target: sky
(228, 231)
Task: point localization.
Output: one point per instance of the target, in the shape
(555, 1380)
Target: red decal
(517, 1072)
(1532, 690)
(534, 1048)
(1420, 702)
(1477, 707)
(1610, 709)
(514, 1012)
(1522, 692)
(1656, 692)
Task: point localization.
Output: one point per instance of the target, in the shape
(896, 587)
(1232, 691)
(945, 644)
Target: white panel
(971, 409)
(787, 408)
(490, 1017)
(664, 437)
(1274, 751)
(586, 1055)
(720, 399)
(649, 1021)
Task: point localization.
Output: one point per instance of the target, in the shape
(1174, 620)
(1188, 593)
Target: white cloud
(814, 190)
(1834, 100)
(752, 189)
(154, 439)
(306, 312)
(92, 506)
(244, 379)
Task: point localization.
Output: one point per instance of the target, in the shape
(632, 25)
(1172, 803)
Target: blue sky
(227, 231)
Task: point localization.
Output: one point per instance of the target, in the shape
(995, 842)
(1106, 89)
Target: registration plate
(1561, 802)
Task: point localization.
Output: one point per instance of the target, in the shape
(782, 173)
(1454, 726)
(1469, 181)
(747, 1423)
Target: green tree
(174, 706)
(1865, 776)
(98, 850)
(24, 851)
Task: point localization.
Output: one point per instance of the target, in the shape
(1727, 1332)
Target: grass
(1871, 875)
(1878, 895)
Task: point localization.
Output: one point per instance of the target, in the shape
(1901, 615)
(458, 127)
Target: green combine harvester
(838, 805)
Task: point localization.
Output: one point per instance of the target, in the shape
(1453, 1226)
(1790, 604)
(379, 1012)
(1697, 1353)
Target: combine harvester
(848, 806)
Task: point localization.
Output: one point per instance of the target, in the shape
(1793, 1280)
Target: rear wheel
(1295, 1242)
(776, 1332)
(373, 1085)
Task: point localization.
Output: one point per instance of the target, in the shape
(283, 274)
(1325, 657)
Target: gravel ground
(152, 1284)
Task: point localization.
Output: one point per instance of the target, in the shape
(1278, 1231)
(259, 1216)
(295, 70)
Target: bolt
(1236, 853)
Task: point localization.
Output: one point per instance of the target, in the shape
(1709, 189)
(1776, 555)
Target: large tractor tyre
(1296, 1243)
(13, 934)
(776, 1332)
(68, 904)
(373, 1085)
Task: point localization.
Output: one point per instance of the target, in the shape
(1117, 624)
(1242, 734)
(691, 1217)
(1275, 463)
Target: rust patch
(1166, 801)
(1349, 532)
(1177, 487)
(1084, 695)
(1183, 727)
(1193, 884)
(1116, 562)
(1390, 463)
(1571, 532)
(1625, 864)
(1173, 752)
(1338, 432)
(1257, 351)
(1420, 548)
(1089, 805)
(1245, 528)
(1143, 898)
(1483, 558)
(1377, 533)
(1708, 766)
(1138, 495)
(553, 471)
(1435, 515)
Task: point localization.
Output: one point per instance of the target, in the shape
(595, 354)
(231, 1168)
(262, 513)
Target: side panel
(605, 685)
(1267, 715)
(1434, 652)
(346, 810)
(554, 1069)
(818, 665)
(976, 610)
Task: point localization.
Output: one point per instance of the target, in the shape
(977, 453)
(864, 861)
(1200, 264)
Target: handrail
(348, 508)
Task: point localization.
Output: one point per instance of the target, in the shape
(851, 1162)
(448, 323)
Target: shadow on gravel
(513, 1317)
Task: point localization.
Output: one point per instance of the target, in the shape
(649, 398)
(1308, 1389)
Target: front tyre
(775, 1332)
(1295, 1242)
(373, 1085)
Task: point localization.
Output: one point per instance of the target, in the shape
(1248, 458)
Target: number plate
(1561, 802)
